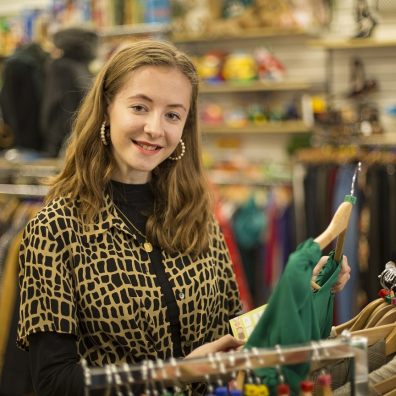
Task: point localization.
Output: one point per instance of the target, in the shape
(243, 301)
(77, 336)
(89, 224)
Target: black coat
(67, 81)
(21, 95)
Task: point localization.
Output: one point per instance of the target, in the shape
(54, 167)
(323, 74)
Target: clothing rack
(346, 154)
(203, 369)
(25, 179)
(23, 190)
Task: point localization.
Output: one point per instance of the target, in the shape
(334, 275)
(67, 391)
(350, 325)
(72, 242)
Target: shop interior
(297, 114)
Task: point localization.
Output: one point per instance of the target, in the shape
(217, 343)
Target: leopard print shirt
(94, 281)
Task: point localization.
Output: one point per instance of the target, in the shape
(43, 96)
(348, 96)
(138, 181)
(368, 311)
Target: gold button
(148, 247)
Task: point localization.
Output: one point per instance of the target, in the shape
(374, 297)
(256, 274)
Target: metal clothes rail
(24, 190)
(122, 377)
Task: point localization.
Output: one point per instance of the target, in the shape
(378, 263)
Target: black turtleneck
(54, 361)
(136, 202)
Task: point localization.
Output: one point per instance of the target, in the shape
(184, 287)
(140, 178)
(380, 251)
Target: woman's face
(146, 120)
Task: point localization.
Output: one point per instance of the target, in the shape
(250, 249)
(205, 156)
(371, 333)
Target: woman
(125, 262)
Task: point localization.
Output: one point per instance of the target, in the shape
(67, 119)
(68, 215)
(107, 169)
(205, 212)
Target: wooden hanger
(378, 314)
(390, 343)
(386, 387)
(375, 334)
(362, 317)
(362, 322)
(337, 227)
(338, 224)
(388, 318)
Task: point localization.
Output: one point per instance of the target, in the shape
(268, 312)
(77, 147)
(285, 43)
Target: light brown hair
(182, 210)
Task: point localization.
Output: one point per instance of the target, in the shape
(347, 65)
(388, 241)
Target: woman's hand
(343, 276)
(223, 344)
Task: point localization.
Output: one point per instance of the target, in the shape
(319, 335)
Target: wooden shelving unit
(278, 128)
(386, 139)
(135, 30)
(241, 34)
(254, 86)
(339, 44)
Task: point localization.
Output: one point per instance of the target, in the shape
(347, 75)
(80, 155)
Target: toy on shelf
(240, 67)
(256, 114)
(268, 66)
(236, 118)
(212, 114)
(210, 67)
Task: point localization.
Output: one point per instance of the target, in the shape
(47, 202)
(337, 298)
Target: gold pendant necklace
(147, 246)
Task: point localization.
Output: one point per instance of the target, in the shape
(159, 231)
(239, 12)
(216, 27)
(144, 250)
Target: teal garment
(295, 314)
(249, 223)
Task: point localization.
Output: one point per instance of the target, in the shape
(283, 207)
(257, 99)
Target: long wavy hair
(182, 205)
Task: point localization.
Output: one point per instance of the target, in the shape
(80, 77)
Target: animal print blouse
(94, 281)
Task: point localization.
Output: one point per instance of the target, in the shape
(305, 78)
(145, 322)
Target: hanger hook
(129, 378)
(282, 361)
(109, 379)
(116, 379)
(87, 377)
(357, 169)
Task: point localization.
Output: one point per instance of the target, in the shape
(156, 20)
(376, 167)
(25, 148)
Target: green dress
(295, 314)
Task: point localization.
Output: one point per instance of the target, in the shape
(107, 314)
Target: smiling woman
(147, 118)
(126, 262)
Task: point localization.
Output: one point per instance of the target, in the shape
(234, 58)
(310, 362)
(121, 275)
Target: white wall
(11, 7)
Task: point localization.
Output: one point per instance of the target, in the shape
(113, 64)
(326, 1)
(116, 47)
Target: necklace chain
(147, 246)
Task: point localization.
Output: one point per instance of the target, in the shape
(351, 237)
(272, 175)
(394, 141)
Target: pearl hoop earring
(103, 136)
(183, 150)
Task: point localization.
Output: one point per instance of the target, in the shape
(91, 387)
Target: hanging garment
(22, 94)
(67, 81)
(249, 223)
(226, 228)
(294, 314)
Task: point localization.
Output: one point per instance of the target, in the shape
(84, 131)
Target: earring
(183, 150)
(103, 136)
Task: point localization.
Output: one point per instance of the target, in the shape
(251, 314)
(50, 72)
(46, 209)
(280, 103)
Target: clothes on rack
(21, 95)
(261, 219)
(380, 192)
(375, 322)
(245, 294)
(14, 367)
(370, 239)
(67, 80)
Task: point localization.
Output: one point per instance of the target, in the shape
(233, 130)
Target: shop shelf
(278, 127)
(136, 29)
(339, 44)
(241, 34)
(386, 139)
(254, 86)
